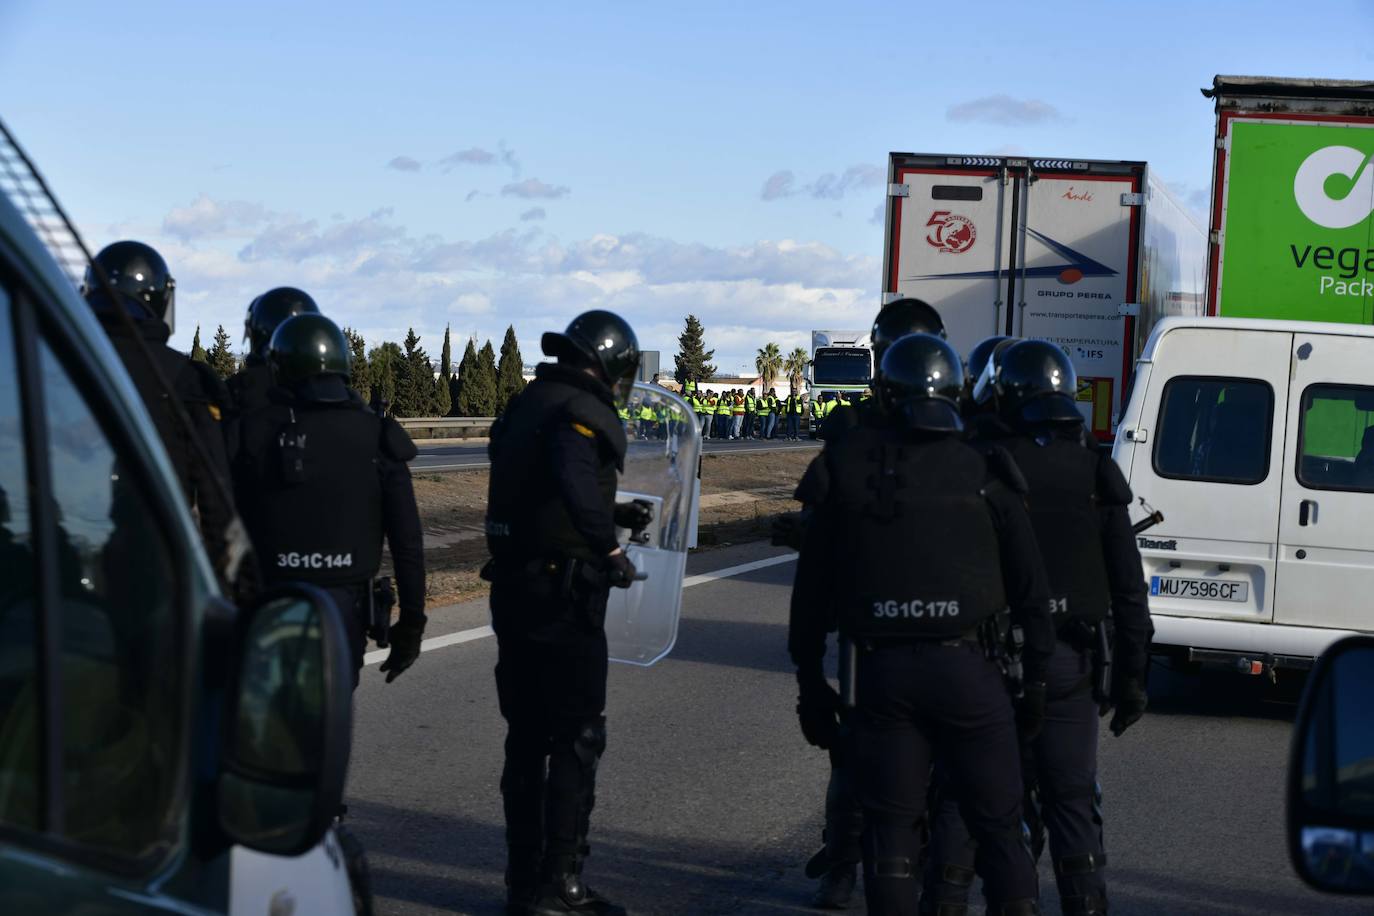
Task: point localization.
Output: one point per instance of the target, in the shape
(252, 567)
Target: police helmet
(602, 341)
(900, 318)
(267, 312)
(921, 382)
(978, 359)
(138, 274)
(1034, 382)
(306, 346)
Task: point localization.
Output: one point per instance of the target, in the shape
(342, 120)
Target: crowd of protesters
(737, 414)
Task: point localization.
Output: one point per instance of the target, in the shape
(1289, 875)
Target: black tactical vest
(249, 386)
(924, 546)
(1063, 478)
(309, 491)
(526, 516)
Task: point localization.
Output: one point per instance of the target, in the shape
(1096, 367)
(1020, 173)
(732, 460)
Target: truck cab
(161, 750)
(1255, 438)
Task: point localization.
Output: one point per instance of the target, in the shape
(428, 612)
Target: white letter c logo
(1309, 187)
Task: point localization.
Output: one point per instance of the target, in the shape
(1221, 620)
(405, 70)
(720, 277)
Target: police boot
(562, 891)
(522, 880)
(1084, 905)
(837, 888)
(1025, 907)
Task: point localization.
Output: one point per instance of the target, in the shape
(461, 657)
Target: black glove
(620, 572)
(818, 709)
(1030, 711)
(405, 646)
(635, 515)
(1130, 700)
(787, 530)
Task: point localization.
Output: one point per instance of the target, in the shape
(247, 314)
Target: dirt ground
(740, 496)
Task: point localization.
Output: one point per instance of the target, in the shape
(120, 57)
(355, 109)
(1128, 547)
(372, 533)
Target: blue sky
(442, 163)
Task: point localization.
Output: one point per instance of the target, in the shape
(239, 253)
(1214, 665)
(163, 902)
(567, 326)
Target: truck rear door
(1326, 541)
(948, 243)
(1075, 268)
(1208, 453)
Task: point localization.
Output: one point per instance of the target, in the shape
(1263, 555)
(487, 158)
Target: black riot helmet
(900, 318)
(920, 384)
(602, 341)
(1033, 382)
(138, 273)
(308, 346)
(978, 359)
(267, 312)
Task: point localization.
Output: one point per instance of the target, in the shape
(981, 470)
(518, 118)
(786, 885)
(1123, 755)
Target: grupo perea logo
(1340, 268)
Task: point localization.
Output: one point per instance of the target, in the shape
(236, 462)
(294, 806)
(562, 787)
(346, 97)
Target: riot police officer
(143, 289)
(837, 862)
(320, 479)
(935, 544)
(248, 387)
(551, 529)
(1078, 507)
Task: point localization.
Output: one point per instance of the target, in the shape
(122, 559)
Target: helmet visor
(622, 387)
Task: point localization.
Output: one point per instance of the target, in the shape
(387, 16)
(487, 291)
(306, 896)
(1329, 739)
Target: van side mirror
(288, 732)
(1331, 772)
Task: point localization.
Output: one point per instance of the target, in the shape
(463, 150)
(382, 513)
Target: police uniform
(249, 386)
(1079, 504)
(320, 479)
(551, 530)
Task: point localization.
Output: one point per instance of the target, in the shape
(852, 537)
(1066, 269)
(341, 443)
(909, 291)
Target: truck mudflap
(1249, 648)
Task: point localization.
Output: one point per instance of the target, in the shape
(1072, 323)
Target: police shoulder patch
(396, 442)
(214, 411)
(583, 430)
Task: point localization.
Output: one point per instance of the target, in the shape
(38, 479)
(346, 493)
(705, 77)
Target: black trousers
(917, 702)
(551, 684)
(1063, 799)
(844, 814)
(355, 607)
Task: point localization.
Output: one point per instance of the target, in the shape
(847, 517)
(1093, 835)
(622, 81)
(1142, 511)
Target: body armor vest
(1062, 475)
(309, 490)
(249, 386)
(526, 516)
(926, 555)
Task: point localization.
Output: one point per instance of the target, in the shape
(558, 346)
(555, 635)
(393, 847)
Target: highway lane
(710, 801)
(437, 455)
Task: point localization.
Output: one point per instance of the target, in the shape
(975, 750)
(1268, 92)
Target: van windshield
(841, 366)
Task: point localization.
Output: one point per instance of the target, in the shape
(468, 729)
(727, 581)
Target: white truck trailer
(1087, 254)
(841, 361)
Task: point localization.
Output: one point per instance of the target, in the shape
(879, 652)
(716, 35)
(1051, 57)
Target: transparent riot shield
(661, 469)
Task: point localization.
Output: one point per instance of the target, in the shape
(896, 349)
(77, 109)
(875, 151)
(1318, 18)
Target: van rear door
(1326, 539)
(1209, 454)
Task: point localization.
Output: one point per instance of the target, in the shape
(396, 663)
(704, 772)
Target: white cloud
(779, 185)
(532, 214)
(1004, 110)
(830, 186)
(370, 273)
(208, 218)
(404, 164)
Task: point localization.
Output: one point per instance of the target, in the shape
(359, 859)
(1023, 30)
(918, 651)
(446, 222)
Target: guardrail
(446, 427)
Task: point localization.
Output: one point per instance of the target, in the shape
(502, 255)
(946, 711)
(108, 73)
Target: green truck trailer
(1292, 224)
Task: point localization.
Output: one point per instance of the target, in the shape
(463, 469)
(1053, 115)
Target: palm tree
(769, 363)
(795, 367)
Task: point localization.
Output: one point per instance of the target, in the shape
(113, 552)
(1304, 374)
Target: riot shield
(661, 469)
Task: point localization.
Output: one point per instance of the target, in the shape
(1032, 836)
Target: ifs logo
(951, 234)
(1309, 187)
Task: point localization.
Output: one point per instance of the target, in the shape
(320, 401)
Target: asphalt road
(441, 456)
(710, 801)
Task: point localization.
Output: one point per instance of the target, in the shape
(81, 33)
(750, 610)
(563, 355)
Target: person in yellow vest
(737, 414)
(793, 410)
(751, 404)
(723, 416)
(646, 420)
(765, 412)
(624, 414)
(699, 407)
(708, 407)
(773, 408)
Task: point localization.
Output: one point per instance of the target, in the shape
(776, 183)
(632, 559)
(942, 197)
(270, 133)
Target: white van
(1256, 440)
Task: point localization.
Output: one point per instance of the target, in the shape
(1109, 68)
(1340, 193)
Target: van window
(121, 668)
(20, 696)
(1336, 438)
(1215, 429)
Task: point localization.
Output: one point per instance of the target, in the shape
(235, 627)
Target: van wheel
(355, 862)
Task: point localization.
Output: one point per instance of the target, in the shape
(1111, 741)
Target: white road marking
(462, 636)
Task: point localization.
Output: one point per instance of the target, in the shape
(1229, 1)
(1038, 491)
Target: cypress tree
(220, 357)
(383, 362)
(197, 351)
(466, 369)
(510, 372)
(486, 375)
(359, 378)
(415, 380)
(477, 377)
(692, 361)
(443, 400)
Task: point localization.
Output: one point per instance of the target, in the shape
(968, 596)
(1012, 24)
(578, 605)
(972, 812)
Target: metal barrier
(446, 427)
